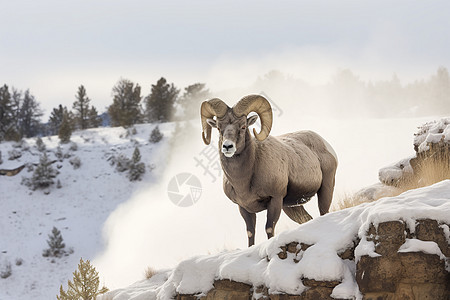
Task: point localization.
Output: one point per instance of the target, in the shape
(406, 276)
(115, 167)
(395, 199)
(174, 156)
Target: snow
(432, 132)
(79, 208)
(328, 235)
(415, 245)
(376, 191)
(145, 230)
(123, 227)
(394, 172)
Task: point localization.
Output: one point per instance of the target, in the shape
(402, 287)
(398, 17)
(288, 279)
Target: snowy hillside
(78, 208)
(125, 227)
(328, 236)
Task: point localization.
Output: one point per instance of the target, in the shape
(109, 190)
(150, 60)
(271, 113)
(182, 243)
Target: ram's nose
(228, 148)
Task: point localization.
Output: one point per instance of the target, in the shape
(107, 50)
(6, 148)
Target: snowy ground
(328, 235)
(79, 208)
(126, 227)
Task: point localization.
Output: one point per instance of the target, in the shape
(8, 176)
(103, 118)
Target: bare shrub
(14, 154)
(5, 270)
(75, 162)
(434, 169)
(345, 201)
(365, 195)
(58, 153)
(150, 272)
(19, 261)
(122, 162)
(73, 146)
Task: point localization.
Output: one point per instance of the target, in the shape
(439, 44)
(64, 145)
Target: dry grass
(347, 200)
(150, 272)
(431, 170)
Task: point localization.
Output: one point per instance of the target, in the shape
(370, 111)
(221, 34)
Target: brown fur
(276, 173)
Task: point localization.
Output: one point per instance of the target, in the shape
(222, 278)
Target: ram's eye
(243, 127)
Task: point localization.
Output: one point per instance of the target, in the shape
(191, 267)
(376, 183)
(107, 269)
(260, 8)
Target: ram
(267, 172)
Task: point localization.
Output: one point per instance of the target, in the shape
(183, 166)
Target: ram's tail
(297, 213)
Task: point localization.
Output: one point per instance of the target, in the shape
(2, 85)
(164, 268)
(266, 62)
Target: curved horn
(209, 109)
(259, 105)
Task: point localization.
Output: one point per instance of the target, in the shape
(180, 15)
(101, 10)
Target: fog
(149, 230)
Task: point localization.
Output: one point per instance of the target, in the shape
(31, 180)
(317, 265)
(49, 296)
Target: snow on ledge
(394, 173)
(432, 132)
(415, 245)
(329, 235)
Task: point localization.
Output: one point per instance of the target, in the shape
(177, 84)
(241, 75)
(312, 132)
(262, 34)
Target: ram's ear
(212, 123)
(251, 120)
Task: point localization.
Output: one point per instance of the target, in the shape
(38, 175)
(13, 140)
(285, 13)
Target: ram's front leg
(250, 222)
(274, 207)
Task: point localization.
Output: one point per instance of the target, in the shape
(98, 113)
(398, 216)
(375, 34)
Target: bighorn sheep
(266, 172)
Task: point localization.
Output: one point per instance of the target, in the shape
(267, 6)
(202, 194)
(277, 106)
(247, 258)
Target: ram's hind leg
(274, 207)
(250, 222)
(325, 193)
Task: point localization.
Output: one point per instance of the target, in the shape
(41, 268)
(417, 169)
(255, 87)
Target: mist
(149, 230)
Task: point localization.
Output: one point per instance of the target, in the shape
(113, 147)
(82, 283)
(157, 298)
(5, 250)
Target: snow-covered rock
(316, 250)
(395, 173)
(432, 132)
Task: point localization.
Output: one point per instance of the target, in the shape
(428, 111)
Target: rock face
(394, 272)
(404, 275)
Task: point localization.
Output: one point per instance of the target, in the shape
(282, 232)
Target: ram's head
(233, 123)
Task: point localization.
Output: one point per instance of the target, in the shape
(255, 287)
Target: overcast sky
(53, 46)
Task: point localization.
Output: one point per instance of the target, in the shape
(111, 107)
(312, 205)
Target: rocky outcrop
(405, 265)
(431, 162)
(405, 275)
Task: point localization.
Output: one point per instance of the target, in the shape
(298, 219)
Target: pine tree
(29, 115)
(65, 130)
(40, 144)
(56, 117)
(440, 90)
(85, 284)
(160, 103)
(6, 112)
(55, 243)
(94, 119)
(125, 110)
(43, 174)
(58, 153)
(137, 168)
(156, 135)
(192, 98)
(15, 124)
(81, 108)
